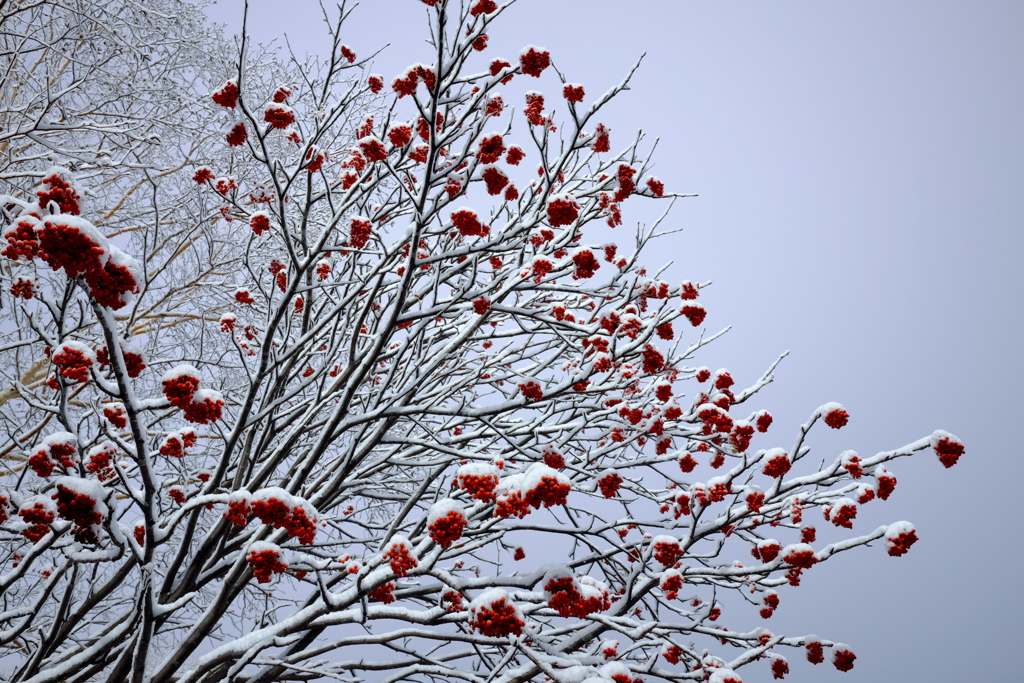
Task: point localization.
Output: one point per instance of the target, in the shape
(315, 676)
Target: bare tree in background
(310, 404)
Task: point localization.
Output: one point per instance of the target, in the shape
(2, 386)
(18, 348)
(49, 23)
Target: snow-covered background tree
(381, 386)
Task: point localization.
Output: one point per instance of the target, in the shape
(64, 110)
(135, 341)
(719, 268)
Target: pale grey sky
(860, 167)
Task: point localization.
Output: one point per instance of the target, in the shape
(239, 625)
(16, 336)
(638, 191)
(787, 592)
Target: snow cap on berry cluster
(442, 508)
(61, 439)
(183, 370)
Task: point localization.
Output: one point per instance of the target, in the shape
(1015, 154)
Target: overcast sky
(860, 167)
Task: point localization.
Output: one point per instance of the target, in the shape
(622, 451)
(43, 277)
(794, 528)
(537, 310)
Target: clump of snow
(262, 546)
(264, 495)
(442, 508)
(60, 438)
(725, 676)
(538, 471)
(183, 370)
(477, 469)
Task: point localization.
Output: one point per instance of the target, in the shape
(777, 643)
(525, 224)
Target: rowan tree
(386, 400)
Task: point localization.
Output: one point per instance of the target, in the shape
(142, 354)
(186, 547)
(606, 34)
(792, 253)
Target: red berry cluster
(480, 487)
(277, 513)
(406, 83)
(531, 391)
(900, 544)
(741, 437)
(467, 223)
(22, 240)
(715, 419)
(72, 363)
(360, 233)
(843, 515)
(115, 415)
(801, 557)
(279, 117)
(497, 620)
(672, 584)
(260, 223)
(667, 553)
(452, 602)
(567, 596)
(511, 504)
(448, 529)
(695, 313)
(481, 306)
(43, 460)
(203, 175)
(65, 245)
(777, 466)
(497, 66)
(586, 264)
(886, 482)
(99, 461)
(949, 451)
(400, 136)
(174, 444)
(227, 95)
(482, 7)
(842, 659)
(851, 463)
(39, 517)
(238, 512)
(572, 92)
(837, 419)
(384, 593)
(602, 139)
(548, 492)
(780, 667)
(373, 149)
(770, 603)
(80, 509)
(281, 94)
(491, 149)
(265, 563)
(180, 389)
(534, 60)
(237, 136)
(495, 180)
(401, 559)
(563, 211)
(57, 190)
(133, 362)
(541, 267)
(609, 484)
(553, 459)
(534, 110)
(515, 155)
(766, 551)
